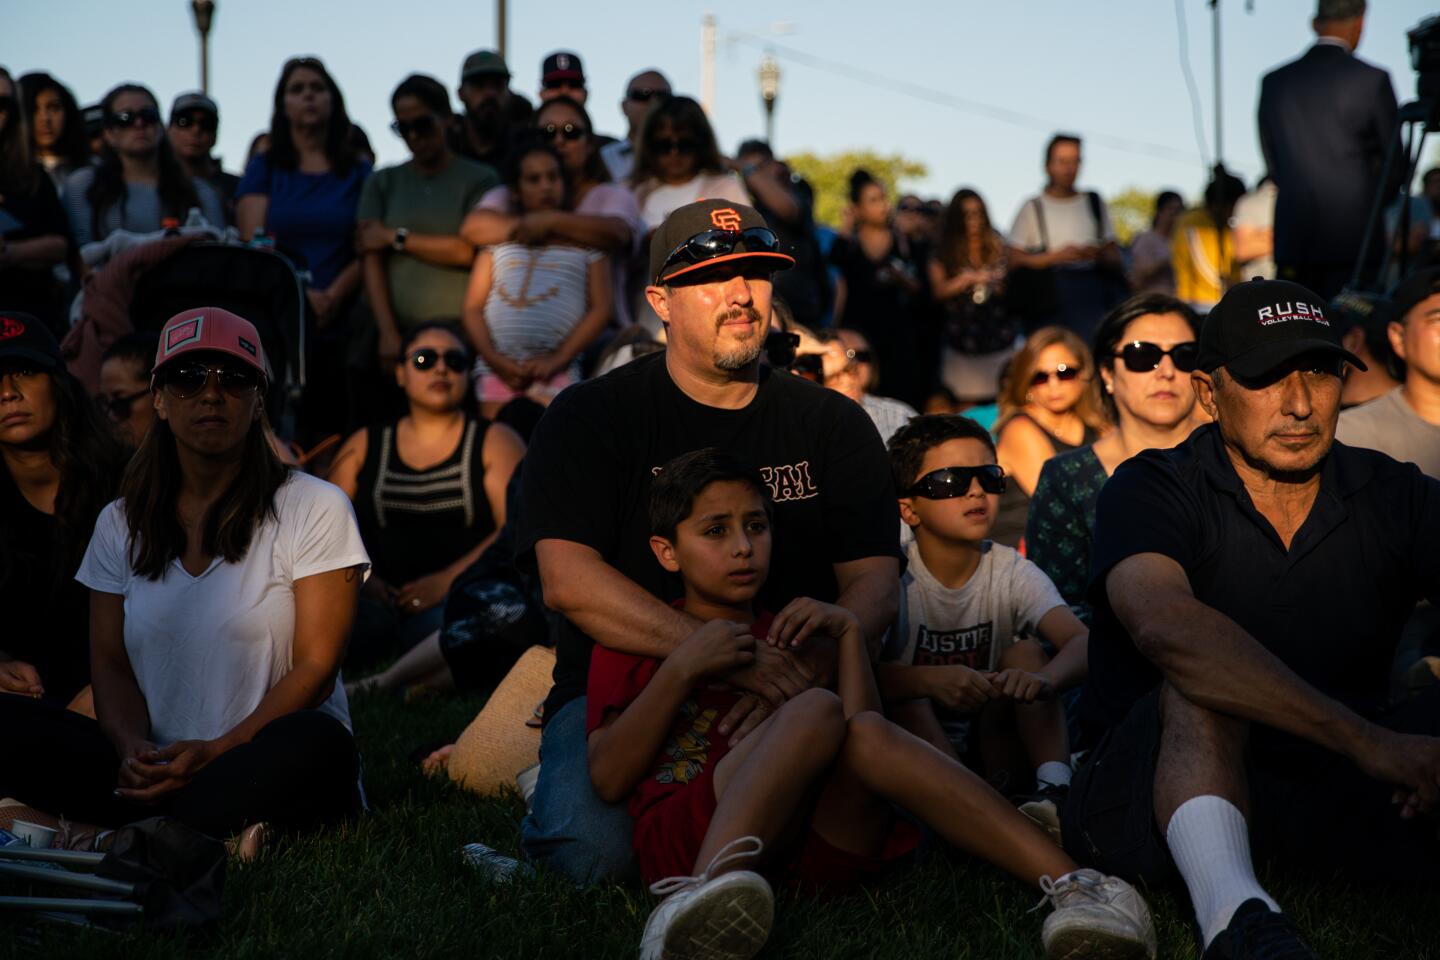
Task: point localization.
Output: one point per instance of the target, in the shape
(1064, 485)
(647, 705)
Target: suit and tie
(1326, 121)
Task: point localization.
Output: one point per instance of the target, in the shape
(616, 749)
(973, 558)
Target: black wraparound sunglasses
(718, 243)
(1142, 357)
(950, 482)
(428, 358)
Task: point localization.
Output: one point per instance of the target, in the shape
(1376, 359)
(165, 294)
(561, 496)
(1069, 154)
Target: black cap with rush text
(23, 337)
(1261, 324)
(712, 219)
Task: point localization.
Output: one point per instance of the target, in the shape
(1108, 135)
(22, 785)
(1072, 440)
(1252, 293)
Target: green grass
(391, 885)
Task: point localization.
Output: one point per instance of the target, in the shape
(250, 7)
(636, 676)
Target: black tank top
(416, 522)
(1015, 502)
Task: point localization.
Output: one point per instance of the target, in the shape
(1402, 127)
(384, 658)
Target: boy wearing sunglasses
(194, 126)
(971, 618)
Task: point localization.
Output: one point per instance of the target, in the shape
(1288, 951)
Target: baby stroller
(257, 283)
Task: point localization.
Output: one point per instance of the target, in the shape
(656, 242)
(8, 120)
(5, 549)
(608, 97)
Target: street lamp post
(769, 91)
(204, 11)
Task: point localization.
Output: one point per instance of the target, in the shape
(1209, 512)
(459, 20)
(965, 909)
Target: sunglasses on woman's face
(119, 407)
(420, 127)
(1142, 357)
(147, 116)
(7, 104)
(809, 366)
(1064, 373)
(668, 145)
(780, 348)
(186, 380)
(204, 121)
(428, 358)
(645, 94)
(948, 482)
(570, 131)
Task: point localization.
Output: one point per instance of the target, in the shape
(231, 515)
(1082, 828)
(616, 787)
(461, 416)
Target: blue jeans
(569, 829)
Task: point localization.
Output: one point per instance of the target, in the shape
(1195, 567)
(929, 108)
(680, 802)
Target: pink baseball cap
(212, 329)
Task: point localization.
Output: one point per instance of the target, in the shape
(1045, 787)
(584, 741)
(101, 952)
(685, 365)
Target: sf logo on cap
(10, 327)
(726, 219)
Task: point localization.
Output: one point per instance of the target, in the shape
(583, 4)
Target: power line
(1184, 38)
(1002, 114)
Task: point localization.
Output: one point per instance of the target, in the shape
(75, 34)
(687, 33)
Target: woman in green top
(1149, 398)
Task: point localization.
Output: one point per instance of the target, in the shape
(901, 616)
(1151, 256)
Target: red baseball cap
(210, 329)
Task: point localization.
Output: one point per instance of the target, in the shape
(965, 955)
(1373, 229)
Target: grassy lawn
(392, 885)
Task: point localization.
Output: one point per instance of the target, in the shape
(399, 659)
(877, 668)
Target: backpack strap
(1040, 222)
(1097, 214)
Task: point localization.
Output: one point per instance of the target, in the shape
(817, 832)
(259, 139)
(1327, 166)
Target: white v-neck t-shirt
(205, 650)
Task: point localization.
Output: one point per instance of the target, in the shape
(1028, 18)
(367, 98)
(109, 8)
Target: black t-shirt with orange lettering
(588, 469)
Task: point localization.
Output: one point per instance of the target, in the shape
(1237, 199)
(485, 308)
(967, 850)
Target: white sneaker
(727, 918)
(1096, 916)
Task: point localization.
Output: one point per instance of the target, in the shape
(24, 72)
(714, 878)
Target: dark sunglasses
(780, 348)
(133, 118)
(204, 121)
(717, 243)
(809, 366)
(420, 127)
(7, 104)
(119, 408)
(1064, 373)
(19, 369)
(859, 356)
(911, 207)
(570, 131)
(1142, 357)
(185, 380)
(566, 84)
(666, 145)
(428, 358)
(645, 94)
(948, 482)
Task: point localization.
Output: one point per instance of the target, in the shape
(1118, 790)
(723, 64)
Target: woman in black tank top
(429, 494)
(1048, 405)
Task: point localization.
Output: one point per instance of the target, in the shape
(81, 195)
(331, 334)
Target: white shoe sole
(728, 922)
(1043, 812)
(1095, 945)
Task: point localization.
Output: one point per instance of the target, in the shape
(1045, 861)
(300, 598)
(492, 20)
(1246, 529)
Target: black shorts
(1308, 806)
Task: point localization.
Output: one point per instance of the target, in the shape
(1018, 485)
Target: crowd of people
(1101, 562)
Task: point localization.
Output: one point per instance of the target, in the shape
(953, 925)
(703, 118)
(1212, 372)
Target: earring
(1109, 388)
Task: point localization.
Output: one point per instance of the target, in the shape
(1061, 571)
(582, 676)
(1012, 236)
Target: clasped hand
(148, 772)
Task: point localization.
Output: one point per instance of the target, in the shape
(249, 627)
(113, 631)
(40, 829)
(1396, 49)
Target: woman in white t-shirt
(533, 307)
(679, 162)
(223, 586)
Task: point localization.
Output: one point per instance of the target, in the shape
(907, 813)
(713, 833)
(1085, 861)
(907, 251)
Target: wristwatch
(398, 244)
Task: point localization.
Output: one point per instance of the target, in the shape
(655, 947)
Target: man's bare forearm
(870, 589)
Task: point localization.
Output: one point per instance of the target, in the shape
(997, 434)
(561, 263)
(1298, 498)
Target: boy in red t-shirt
(809, 795)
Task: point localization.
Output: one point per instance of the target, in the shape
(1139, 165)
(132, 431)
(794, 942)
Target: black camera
(1425, 57)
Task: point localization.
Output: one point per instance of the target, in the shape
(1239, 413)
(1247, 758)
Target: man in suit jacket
(1326, 120)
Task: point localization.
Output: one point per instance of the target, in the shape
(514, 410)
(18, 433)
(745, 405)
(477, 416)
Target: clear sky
(1108, 69)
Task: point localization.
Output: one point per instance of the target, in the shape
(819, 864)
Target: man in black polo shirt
(585, 495)
(1249, 589)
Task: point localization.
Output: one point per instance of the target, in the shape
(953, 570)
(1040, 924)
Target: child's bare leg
(918, 716)
(1041, 725)
(900, 767)
(762, 782)
(421, 663)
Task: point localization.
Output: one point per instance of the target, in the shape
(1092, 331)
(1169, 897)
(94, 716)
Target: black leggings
(301, 770)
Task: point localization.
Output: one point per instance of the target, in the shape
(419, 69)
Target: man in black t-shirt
(1249, 588)
(586, 489)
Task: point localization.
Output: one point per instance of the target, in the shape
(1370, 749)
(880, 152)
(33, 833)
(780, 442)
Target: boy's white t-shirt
(205, 650)
(939, 626)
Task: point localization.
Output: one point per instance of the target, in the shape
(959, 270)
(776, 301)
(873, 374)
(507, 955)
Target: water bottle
(171, 226)
(195, 219)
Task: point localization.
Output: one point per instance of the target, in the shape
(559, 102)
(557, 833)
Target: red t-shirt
(690, 749)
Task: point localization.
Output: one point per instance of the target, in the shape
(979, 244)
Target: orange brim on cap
(787, 262)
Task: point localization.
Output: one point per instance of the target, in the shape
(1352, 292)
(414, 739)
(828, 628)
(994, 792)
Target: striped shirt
(537, 296)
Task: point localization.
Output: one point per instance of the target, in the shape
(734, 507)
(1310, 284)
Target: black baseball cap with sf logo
(1260, 325)
(702, 234)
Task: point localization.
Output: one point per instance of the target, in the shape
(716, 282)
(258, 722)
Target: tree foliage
(1131, 211)
(829, 175)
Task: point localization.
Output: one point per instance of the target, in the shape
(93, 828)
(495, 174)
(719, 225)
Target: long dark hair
(515, 162)
(88, 457)
(177, 192)
(151, 490)
(16, 172)
(686, 118)
(595, 169)
(340, 147)
(1112, 329)
(955, 240)
(73, 146)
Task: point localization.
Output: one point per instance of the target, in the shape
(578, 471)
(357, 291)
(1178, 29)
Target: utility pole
(204, 12)
(769, 93)
(707, 63)
(500, 27)
(1219, 130)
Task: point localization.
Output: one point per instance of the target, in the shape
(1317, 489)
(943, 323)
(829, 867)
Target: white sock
(1053, 772)
(1210, 842)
